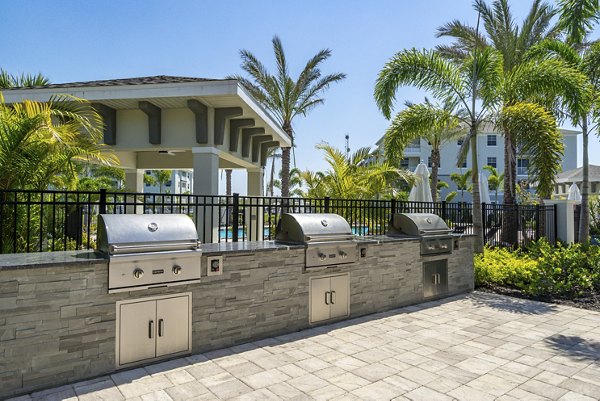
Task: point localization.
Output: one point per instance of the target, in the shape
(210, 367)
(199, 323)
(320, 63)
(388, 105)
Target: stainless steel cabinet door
(429, 279)
(137, 331)
(172, 325)
(442, 271)
(339, 294)
(319, 299)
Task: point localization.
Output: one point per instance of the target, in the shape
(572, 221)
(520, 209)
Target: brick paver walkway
(474, 347)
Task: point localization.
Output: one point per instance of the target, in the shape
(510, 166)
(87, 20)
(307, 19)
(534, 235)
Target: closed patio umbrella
(574, 193)
(484, 189)
(421, 190)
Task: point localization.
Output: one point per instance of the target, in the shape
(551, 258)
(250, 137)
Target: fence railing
(37, 221)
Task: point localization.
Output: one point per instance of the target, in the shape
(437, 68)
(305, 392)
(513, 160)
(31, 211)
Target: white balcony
(412, 150)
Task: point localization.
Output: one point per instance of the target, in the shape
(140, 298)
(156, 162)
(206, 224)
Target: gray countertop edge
(87, 257)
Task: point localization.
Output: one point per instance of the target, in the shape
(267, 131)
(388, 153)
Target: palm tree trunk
(285, 164)
(477, 218)
(509, 215)
(584, 216)
(272, 179)
(228, 181)
(435, 166)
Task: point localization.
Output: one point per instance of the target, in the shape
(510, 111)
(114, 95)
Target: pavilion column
(134, 182)
(254, 214)
(206, 182)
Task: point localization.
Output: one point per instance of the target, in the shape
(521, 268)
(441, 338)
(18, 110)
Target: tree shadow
(511, 304)
(575, 347)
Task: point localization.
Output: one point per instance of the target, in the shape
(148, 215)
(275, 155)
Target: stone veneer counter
(58, 321)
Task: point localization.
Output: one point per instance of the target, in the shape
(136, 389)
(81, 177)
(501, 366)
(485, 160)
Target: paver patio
(471, 347)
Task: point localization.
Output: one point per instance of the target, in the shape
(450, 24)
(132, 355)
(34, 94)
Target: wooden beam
(264, 151)
(247, 134)
(109, 117)
(256, 141)
(220, 116)
(201, 113)
(154, 121)
(234, 131)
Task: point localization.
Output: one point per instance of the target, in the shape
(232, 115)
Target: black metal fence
(37, 221)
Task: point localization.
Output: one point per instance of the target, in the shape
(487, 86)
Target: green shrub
(500, 266)
(566, 271)
(542, 269)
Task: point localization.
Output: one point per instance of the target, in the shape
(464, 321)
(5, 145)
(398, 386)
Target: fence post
(235, 224)
(537, 222)
(483, 216)
(327, 204)
(393, 207)
(102, 203)
(444, 215)
(555, 223)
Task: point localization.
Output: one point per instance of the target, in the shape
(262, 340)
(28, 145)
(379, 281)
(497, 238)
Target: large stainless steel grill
(149, 250)
(435, 235)
(327, 236)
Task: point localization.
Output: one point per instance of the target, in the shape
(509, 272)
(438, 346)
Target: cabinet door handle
(439, 278)
(434, 278)
(150, 328)
(332, 297)
(161, 327)
(326, 299)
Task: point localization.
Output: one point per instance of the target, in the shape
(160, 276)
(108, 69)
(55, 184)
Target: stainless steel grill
(149, 250)
(327, 236)
(433, 231)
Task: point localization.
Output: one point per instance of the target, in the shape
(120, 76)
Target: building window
(404, 163)
(429, 164)
(522, 166)
(491, 161)
(463, 164)
(460, 141)
(169, 183)
(491, 140)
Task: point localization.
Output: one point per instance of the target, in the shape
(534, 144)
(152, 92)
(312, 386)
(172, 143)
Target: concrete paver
(470, 347)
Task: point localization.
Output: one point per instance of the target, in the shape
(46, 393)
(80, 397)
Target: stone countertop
(46, 259)
(87, 257)
(13, 261)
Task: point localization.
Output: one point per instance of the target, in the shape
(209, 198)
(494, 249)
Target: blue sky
(101, 39)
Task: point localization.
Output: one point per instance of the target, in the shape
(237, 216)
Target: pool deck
(471, 347)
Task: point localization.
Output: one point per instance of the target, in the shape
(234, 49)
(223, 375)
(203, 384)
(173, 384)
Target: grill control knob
(176, 269)
(322, 256)
(138, 273)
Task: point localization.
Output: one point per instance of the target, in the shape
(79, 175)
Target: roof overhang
(218, 93)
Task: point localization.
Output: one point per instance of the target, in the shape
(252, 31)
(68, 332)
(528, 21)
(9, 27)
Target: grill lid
(417, 224)
(133, 233)
(300, 228)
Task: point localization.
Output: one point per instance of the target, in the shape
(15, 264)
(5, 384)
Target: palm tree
(577, 19)
(24, 80)
(228, 172)
(285, 97)
(162, 177)
(360, 175)
(273, 154)
(494, 180)
(295, 183)
(462, 182)
(513, 42)
(435, 123)
(480, 87)
(40, 143)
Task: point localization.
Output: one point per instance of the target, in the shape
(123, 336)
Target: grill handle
(118, 249)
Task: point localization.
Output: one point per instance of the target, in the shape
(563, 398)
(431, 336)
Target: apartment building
(180, 183)
(490, 151)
